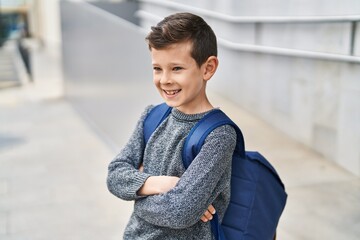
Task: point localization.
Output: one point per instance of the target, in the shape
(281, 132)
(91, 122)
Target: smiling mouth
(171, 92)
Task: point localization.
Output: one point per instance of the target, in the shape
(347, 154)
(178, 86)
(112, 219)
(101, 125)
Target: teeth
(172, 92)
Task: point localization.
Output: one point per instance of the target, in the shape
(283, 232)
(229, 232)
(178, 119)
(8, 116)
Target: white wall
(315, 100)
(45, 21)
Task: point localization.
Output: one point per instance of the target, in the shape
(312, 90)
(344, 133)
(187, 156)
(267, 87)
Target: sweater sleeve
(124, 178)
(197, 188)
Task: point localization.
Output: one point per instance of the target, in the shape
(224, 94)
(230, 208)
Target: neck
(201, 107)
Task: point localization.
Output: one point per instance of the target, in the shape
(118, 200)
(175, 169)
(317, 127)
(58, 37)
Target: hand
(157, 185)
(208, 214)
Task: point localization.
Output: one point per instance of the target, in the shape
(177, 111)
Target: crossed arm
(166, 204)
(162, 184)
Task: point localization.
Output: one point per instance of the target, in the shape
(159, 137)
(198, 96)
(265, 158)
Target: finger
(204, 219)
(211, 209)
(208, 215)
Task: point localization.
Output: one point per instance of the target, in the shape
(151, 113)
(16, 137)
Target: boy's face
(178, 78)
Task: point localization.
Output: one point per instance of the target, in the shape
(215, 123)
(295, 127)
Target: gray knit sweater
(175, 214)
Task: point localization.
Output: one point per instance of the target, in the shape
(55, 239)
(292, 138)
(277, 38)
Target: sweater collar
(188, 117)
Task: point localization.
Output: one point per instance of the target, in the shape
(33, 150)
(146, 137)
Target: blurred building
(295, 64)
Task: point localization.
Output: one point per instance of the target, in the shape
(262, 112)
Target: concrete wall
(105, 58)
(292, 74)
(45, 22)
(316, 102)
(299, 76)
(125, 9)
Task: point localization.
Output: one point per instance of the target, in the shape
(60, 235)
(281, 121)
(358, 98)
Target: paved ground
(53, 170)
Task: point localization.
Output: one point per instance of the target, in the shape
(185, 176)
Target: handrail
(250, 19)
(287, 52)
(267, 49)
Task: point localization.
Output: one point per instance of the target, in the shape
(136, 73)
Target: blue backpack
(258, 196)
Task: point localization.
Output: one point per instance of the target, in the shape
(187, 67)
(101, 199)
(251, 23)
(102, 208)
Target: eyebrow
(170, 64)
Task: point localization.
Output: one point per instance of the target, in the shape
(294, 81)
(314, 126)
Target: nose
(165, 78)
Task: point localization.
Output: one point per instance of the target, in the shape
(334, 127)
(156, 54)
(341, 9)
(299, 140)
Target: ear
(210, 67)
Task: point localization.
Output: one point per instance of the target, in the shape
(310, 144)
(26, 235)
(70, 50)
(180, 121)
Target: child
(171, 203)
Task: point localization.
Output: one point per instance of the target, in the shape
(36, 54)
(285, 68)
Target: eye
(156, 69)
(177, 68)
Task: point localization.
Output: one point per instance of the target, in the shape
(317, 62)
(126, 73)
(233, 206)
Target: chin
(171, 103)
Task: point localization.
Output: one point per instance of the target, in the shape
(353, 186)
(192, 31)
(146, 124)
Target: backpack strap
(201, 130)
(195, 141)
(154, 118)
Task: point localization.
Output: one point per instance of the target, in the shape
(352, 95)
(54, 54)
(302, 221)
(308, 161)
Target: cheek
(156, 79)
